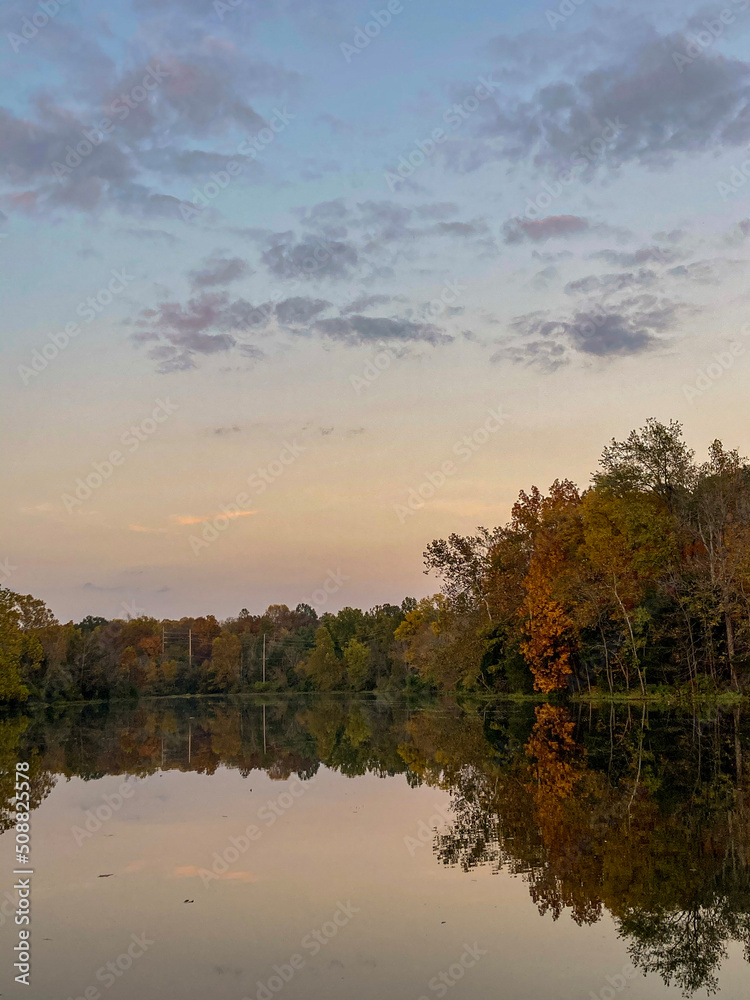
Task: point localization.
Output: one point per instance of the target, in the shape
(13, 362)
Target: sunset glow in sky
(292, 288)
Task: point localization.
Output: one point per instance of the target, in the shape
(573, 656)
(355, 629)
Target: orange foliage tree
(552, 525)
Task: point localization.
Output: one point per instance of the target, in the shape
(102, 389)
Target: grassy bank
(665, 697)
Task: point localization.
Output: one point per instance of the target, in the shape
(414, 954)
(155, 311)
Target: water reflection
(641, 815)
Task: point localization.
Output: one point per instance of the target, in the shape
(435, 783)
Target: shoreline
(677, 698)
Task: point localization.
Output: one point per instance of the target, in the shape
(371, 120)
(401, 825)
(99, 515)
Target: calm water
(372, 850)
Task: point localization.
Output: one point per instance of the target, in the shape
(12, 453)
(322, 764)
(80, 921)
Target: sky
(294, 287)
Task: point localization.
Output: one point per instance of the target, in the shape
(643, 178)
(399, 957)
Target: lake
(337, 848)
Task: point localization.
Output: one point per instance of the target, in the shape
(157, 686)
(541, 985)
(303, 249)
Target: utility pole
(264, 658)
(190, 648)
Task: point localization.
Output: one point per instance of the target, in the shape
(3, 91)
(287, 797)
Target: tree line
(640, 580)
(280, 649)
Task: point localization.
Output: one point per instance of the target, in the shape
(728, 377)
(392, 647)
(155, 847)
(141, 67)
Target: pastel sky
(350, 280)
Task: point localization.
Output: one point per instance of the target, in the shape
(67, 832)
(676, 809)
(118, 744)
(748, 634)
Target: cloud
(205, 343)
(437, 210)
(337, 125)
(388, 217)
(135, 866)
(632, 326)
(359, 329)
(543, 278)
(477, 227)
(185, 329)
(619, 70)
(299, 310)
(193, 519)
(613, 333)
(340, 241)
(151, 235)
(56, 157)
(705, 272)
(671, 236)
(234, 429)
(653, 254)
(142, 528)
(39, 159)
(310, 260)
(220, 271)
(663, 267)
(608, 284)
(172, 163)
(536, 230)
(212, 323)
(365, 301)
(522, 229)
(325, 213)
(739, 233)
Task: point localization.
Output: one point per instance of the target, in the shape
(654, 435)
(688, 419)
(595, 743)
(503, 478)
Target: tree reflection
(640, 816)
(659, 838)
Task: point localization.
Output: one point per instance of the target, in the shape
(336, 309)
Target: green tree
(19, 651)
(91, 622)
(630, 545)
(322, 666)
(357, 657)
(654, 458)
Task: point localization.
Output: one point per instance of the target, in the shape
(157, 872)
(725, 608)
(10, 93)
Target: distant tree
(129, 666)
(205, 630)
(344, 626)
(225, 661)
(322, 666)
(357, 657)
(91, 622)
